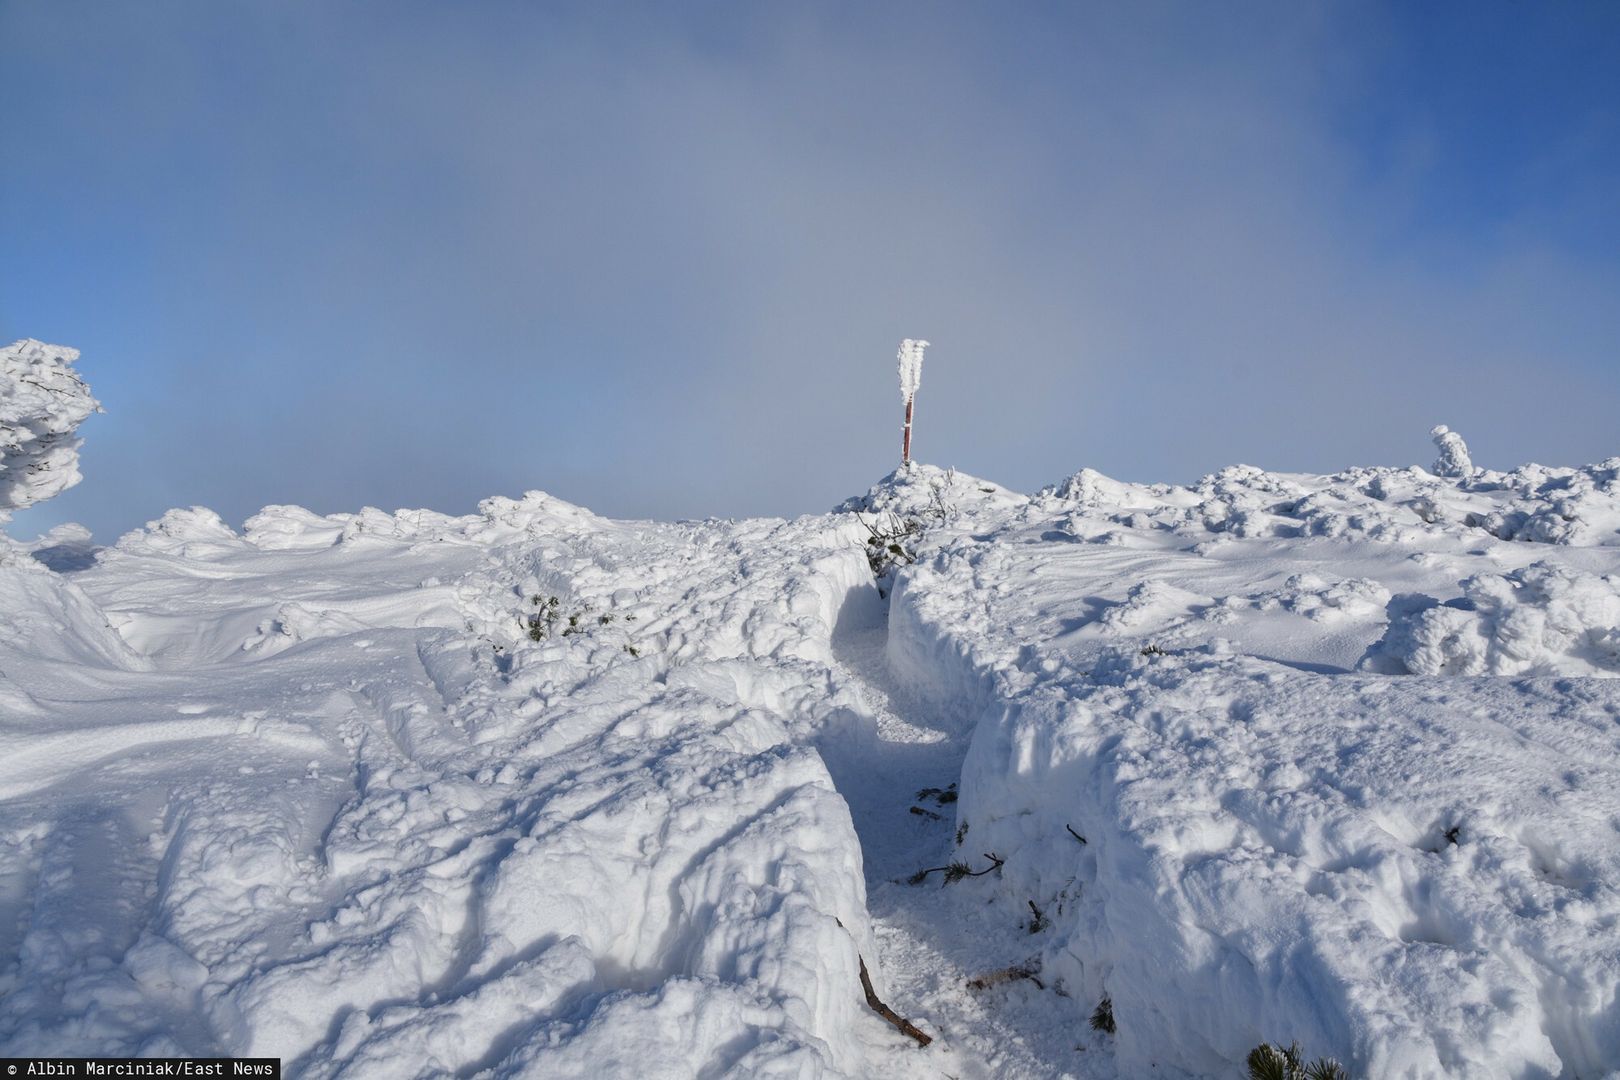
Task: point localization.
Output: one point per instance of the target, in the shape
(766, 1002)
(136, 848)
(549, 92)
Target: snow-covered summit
(531, 792)
(918, 490)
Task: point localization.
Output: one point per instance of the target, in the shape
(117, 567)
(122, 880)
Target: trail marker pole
(911, 359)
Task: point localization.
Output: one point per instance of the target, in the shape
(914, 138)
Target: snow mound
(1541, 620)
(42, 403)
(1326, 601)
(932, 493)
(48, 617)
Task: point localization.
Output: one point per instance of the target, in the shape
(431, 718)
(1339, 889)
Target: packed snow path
(533, 793)
(937, 941)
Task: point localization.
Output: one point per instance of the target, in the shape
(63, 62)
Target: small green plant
(547, 620)
(540, 623)
(956, 870)
(1268, 1062)
(1153, 650)
(1102, 1017)
(961, 833)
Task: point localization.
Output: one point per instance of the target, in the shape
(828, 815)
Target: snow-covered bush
(42, 403)
(1454, 460)
(1543, 619)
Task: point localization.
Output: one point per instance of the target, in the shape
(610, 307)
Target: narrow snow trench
(933, 938)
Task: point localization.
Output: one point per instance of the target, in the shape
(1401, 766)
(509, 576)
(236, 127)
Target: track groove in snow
(933, 939)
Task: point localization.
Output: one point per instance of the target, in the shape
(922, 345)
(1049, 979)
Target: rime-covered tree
(42, 403)
(911, 361)
(1454, 461)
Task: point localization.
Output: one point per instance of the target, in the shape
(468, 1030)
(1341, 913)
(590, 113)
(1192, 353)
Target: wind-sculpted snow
(42, 403)
(1533, 504)
(1233, 836)
(1542, 619)
(365, 817)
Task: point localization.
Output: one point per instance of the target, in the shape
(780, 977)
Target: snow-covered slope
(535, 793)
(386, 794)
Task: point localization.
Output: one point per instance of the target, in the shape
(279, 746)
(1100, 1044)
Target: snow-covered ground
(536, 793)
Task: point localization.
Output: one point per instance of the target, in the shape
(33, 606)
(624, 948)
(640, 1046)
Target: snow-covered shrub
(890, 544)
(42, 403)
(1267, 1062)
(1454, 461)
(1543, 619)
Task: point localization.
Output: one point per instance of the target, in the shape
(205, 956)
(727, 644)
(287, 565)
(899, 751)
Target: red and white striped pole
(905, 437)
(911, 358)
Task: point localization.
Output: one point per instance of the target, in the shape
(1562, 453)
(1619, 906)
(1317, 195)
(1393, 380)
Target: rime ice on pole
(911, 360)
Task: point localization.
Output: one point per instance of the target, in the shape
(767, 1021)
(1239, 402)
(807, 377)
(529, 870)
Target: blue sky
(656, 259)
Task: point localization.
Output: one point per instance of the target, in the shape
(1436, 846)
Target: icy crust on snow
(1236, 838)
(387, 828)
(42, 403)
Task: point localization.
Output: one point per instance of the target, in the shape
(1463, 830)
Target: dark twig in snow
(905, 1026)
(956, 871)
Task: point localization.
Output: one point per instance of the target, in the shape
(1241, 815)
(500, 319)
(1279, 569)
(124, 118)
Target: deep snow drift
(1302, 819)
(535, 793)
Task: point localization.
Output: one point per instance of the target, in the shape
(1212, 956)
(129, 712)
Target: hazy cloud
(658, 263)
